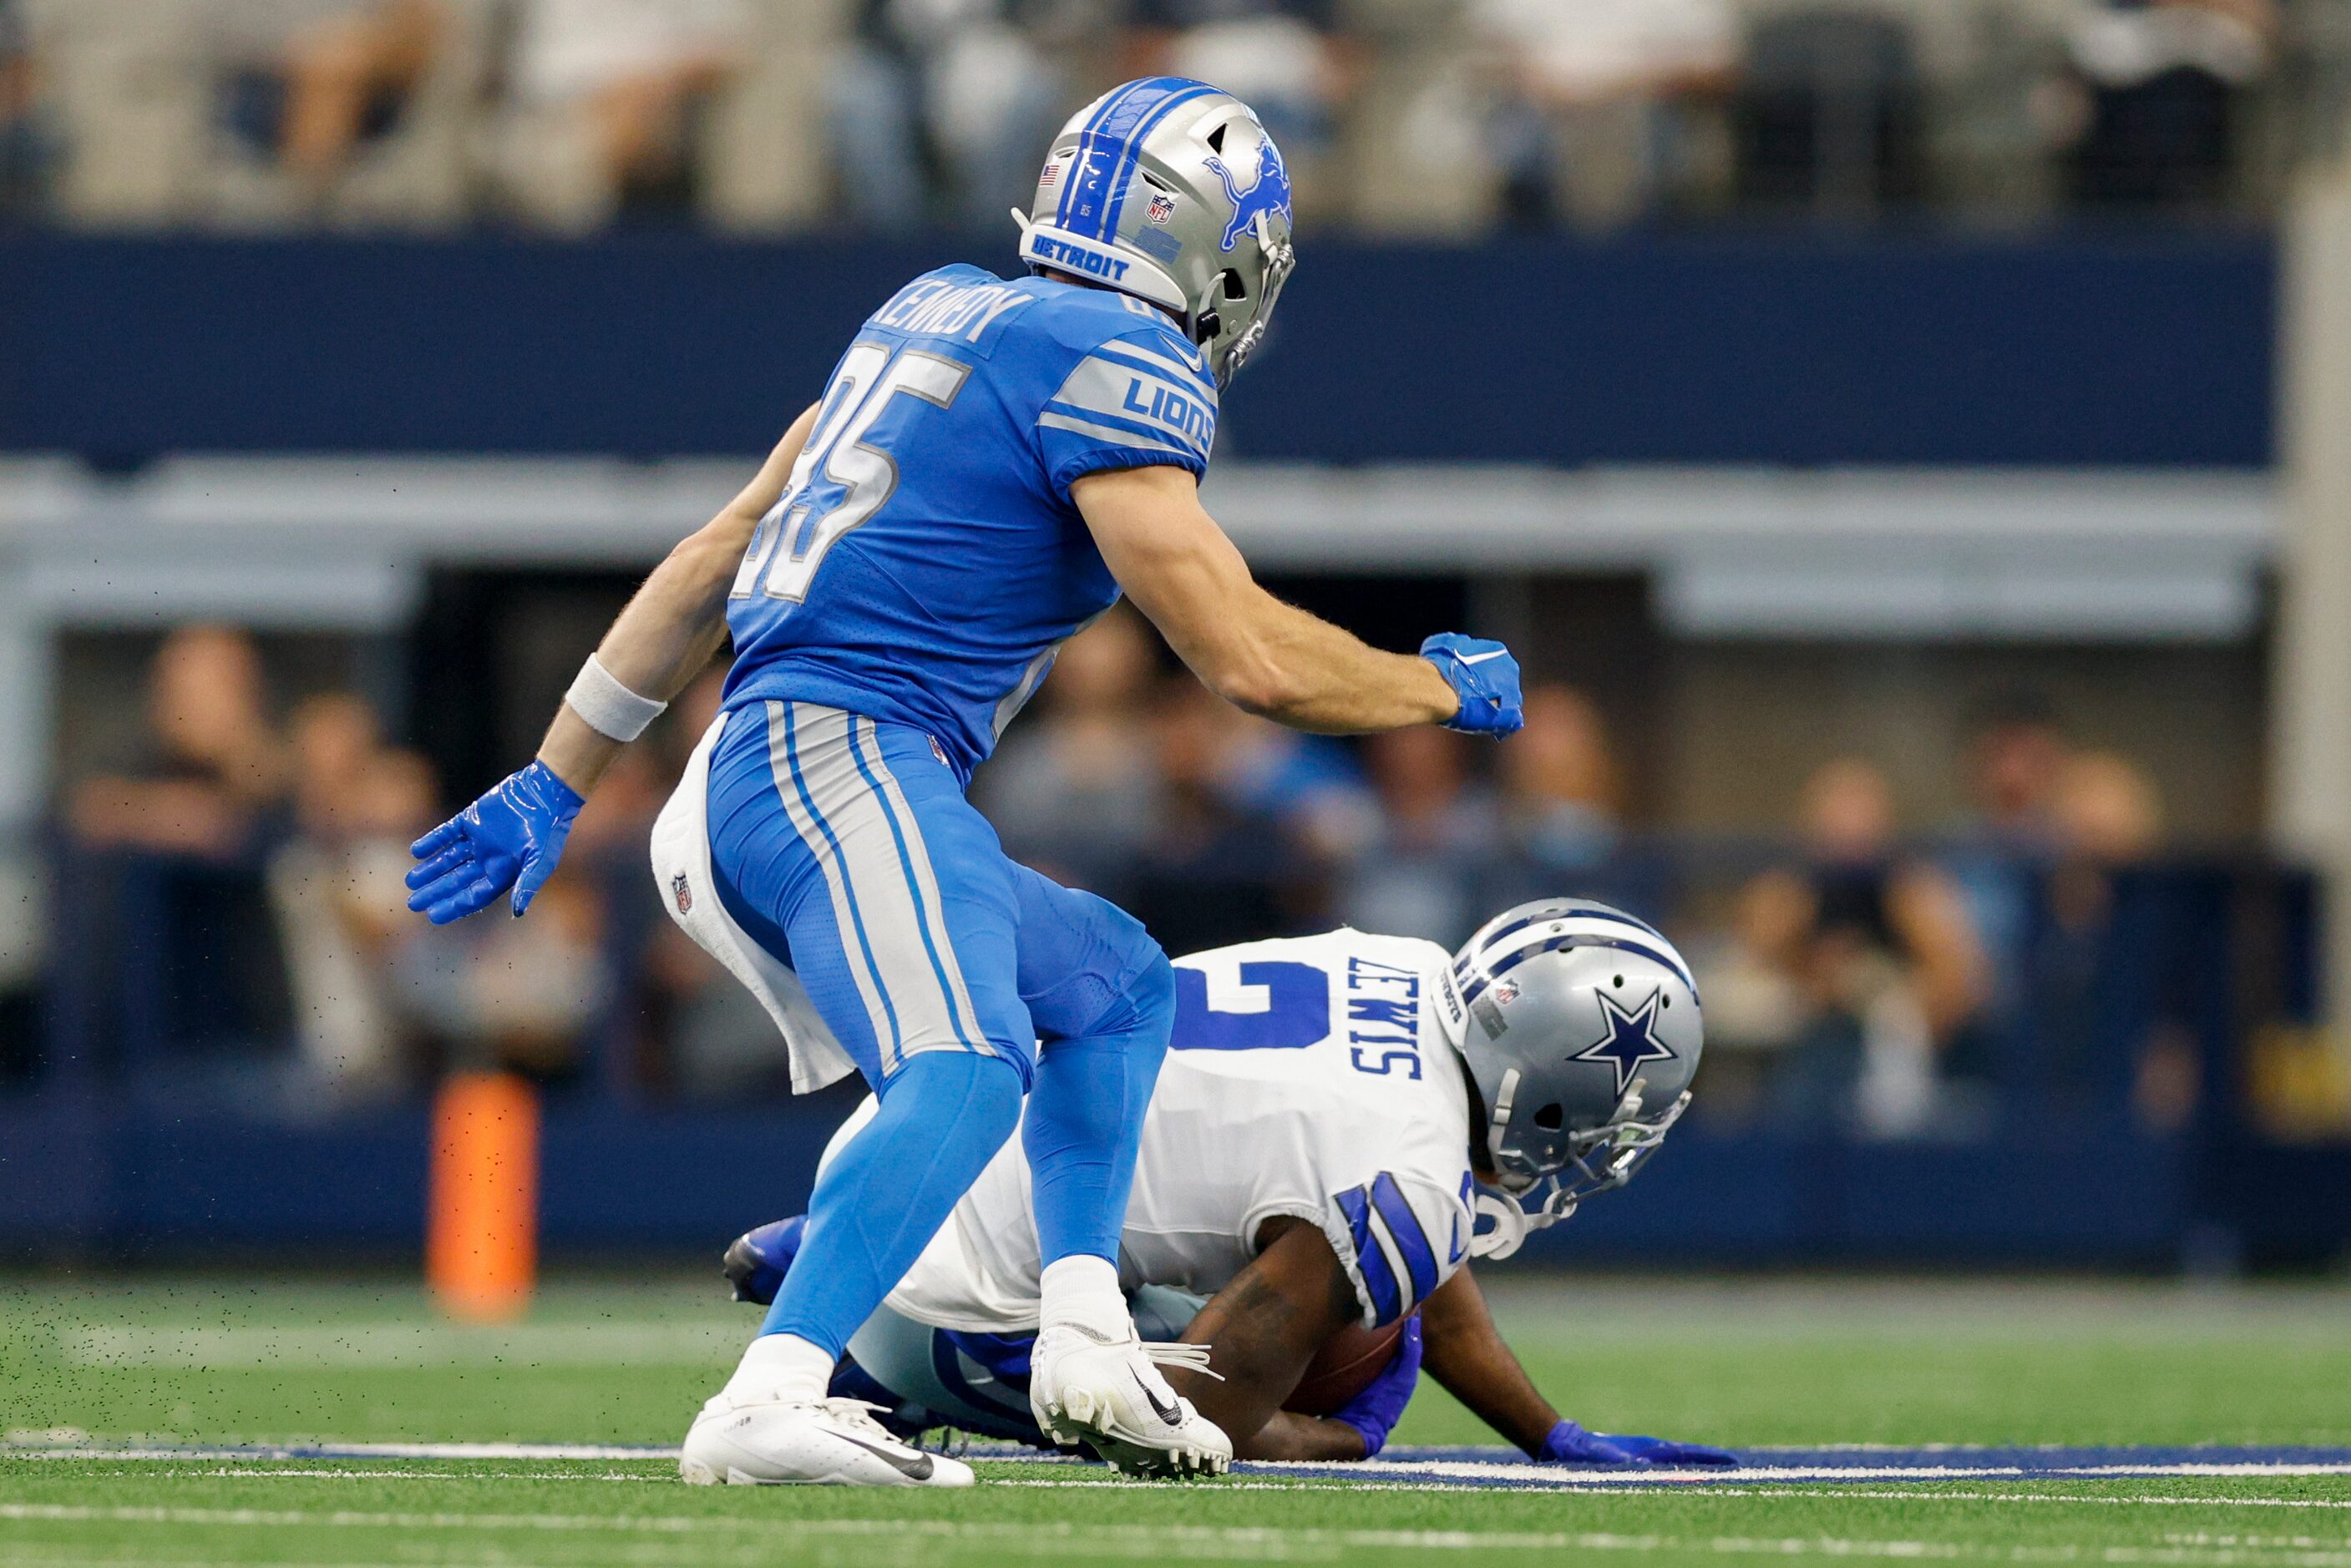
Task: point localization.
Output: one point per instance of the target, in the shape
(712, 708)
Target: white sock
(1083, 1290)
(783, 1369)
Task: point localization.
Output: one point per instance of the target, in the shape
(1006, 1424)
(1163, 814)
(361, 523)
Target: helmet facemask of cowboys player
(1582, 1034)
(1170, 191)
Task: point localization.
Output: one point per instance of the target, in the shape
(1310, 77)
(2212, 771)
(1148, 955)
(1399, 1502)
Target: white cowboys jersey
(1315, 1077)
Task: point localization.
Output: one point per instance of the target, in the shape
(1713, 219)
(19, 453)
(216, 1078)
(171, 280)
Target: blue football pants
(957, 981)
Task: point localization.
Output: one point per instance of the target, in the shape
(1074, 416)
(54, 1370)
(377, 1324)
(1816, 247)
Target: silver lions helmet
(1583, 1032)
(1169, 190)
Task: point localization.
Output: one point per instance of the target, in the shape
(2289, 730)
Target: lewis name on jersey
(1315, 1077)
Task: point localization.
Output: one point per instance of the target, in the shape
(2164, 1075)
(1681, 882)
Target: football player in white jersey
(1343, 1120)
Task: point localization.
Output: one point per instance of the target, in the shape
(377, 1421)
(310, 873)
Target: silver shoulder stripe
(1175, 370)
(1125, 438)
(1170, 405)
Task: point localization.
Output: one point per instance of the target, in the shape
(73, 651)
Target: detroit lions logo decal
(1268, 192)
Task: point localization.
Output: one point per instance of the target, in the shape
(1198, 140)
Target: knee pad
(1150, 995)
(1106, 975)
(1138, 983)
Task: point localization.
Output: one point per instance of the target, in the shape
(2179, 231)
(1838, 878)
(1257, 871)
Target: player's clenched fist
(511, 838)
(1484, 675)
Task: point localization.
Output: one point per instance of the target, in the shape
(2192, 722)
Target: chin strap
(1498, 1118)
(1615, 1152)
(1513, 1222)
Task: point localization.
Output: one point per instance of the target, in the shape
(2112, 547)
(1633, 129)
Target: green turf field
(139, 1362)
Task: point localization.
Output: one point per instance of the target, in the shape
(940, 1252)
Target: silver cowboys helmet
(1169, 190)
(1582, 1033)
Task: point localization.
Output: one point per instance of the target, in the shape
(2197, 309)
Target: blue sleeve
(1134, 401)
(1401, 1244)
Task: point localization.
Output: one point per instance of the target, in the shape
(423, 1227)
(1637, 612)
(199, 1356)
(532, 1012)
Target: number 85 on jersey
(846, 473)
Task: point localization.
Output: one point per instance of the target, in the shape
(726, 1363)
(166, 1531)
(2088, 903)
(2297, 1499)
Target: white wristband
(606, 706)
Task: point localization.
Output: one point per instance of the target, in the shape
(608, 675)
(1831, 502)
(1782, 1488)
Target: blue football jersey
(925, 560)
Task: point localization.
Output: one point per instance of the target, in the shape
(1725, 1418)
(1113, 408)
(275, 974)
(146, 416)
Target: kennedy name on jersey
(937, 306)
(968, 403)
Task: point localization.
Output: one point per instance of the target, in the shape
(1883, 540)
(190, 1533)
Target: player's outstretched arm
(672, 625)
(1467, 1354)
(1265, 656)
(1261, 1331)
(512, 836)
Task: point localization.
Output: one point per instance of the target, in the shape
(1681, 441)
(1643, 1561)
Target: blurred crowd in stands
(1398, 115)
(231, 930)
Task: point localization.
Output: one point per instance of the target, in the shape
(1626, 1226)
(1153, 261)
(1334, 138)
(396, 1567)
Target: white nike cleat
(1108, 1393)
(824, 1442)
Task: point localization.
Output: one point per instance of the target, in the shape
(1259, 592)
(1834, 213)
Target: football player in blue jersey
(992, 462)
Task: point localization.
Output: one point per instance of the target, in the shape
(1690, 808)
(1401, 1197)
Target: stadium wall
(86, 1180)
(2083, 349)
(129, 1146)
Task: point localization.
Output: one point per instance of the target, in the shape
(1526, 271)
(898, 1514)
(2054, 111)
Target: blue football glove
(1484, 675)
(1668, 1454)
(1569, 1444)
(511, 838)
(1375, 1412)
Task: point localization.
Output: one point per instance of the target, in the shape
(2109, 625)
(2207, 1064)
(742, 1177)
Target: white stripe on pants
(886, 902)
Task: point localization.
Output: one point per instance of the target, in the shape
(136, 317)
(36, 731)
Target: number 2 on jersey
(1296, 1012)
(792, 538)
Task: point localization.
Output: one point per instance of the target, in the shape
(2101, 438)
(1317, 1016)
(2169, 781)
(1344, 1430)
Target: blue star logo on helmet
(1629, 1040)
(1269, 192)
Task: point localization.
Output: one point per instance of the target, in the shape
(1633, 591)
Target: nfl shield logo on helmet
(682, 891)
(1506, 992)
(1163, 207)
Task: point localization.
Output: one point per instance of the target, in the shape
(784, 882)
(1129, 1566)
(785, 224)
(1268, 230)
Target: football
(1343, 1368)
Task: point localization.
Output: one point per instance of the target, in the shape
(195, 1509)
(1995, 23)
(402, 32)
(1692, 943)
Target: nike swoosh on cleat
(1171, 1414)
(1479, 657)
(919, 1467)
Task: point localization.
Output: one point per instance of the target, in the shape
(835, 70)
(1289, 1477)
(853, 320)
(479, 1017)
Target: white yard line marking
(264, 1454)
(276, 1472)
(398, 1345)
(16, 1560)
(1481, 1470)
(1815, 1494)
(1473, 1470)
(1341, 1483)
(1156, 1540)
(1827, 1492)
